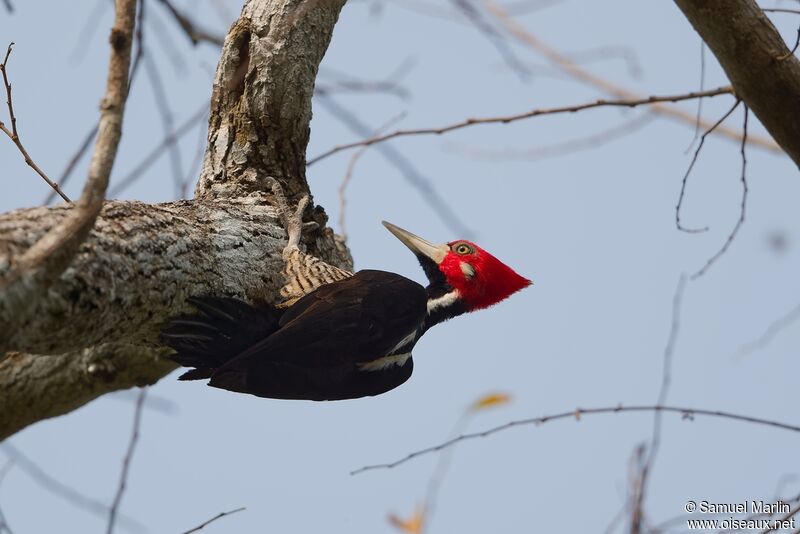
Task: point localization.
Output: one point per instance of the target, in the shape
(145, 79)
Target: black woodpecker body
(345, 339)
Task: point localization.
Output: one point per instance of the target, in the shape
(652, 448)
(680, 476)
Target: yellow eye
(463, 249)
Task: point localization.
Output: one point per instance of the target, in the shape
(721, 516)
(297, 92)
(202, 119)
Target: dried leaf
(412, 525)
(490, 400)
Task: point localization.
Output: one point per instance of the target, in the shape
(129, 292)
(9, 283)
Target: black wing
(326, 336)
(223, 328)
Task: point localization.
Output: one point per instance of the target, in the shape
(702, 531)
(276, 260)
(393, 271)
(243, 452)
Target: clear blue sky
(594, 229)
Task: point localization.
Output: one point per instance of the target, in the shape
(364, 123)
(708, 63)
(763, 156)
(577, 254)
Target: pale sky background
(594, 229)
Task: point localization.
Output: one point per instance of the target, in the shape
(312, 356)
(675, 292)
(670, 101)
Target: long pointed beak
(418, 245)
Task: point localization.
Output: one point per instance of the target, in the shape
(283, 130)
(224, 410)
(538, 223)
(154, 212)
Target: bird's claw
(292, 220)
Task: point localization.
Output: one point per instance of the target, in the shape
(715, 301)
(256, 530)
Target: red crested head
(478, 278)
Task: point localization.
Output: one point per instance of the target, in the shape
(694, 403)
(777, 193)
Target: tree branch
(13, 134)
(757, 61)
(39, 387)
(97, 329)
(686, 413)
(570, 67)
(29, 274)
(622, 102)
(261, 101)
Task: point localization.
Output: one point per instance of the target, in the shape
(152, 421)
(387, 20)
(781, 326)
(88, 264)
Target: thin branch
(167, 121)
(686, 413)
(496, 38)
(58, 488)
(126, 462)
(781, 10)
(218, 516)
(570, 146)
(420, 182)
(666, 381)
(791, 52)
(775, 328)
(685, 179)
(780, 521)
(13, 134)
(348, 176)
(151, 157)
(40, 266)
(358, 86)
(623, 102)
(197, 161)
(699, 116)
(742, 207)
(8, 5)
(66, 174)
(195, 34)
(4, 526)
(567, 65)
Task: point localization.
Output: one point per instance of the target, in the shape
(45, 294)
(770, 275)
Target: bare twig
(699, 116)
(781, 10)
(685, 179)
(38, 267)
(565, 64)
(686, 413)
(791, 52)
(4, 526)
(167, 122)
(742, 207)
(772, 330)
(91, 23)
(524, 7)
(666, 380)
(359, 86)
(349, 175)
(126, 462)
(8, 5)
(218, 516)
(13, 134)
(58, 488)
(151, 157)
(194, 167)
(406, 168)
(66, 174)
(570, 146)
(195, 34)
(623, 102)
(477, 19)
(793, 512)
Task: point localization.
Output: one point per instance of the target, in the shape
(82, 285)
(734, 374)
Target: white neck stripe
(445, 300)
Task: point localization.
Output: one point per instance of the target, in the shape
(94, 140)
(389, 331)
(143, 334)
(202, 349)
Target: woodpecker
(345, 339)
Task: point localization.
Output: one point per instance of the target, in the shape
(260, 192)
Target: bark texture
(38, 387)
(261, 101)
(757, 61)
(31, 272)
(94, 329)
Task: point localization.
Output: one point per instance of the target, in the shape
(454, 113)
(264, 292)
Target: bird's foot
(292, 220)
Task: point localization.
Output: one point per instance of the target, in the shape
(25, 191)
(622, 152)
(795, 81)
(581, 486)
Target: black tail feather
(223, 329)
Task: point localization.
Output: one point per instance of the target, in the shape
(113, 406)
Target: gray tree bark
(95, 328)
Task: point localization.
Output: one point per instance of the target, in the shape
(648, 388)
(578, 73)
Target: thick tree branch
(757, 61)
(138, 263)
(39, 387)
(138, 266)
(261, 102)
